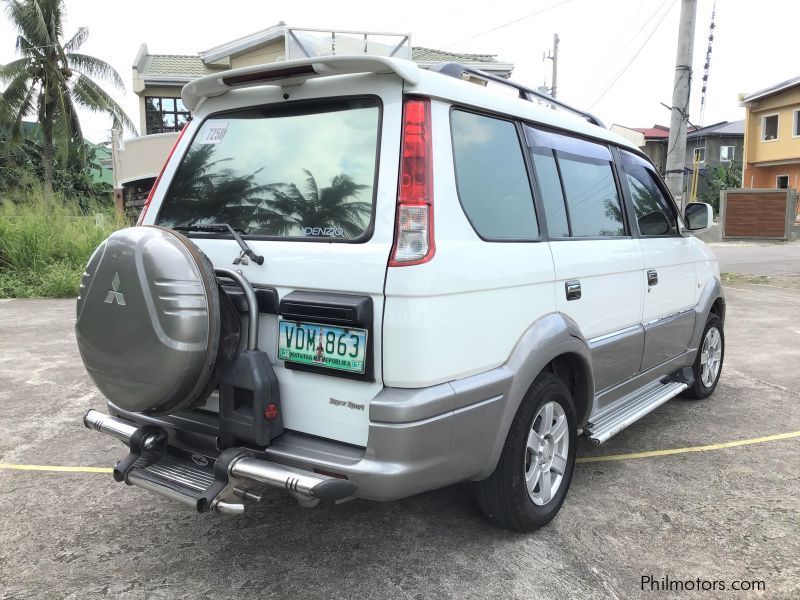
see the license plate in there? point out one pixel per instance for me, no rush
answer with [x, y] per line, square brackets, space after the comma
[338, 348]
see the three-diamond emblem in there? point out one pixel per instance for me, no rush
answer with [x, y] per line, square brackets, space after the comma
[114, 295]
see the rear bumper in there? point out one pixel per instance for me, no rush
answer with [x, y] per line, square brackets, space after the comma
[419, 439]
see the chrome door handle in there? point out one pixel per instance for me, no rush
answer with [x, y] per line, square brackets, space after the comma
[652, 277]
[573, 289]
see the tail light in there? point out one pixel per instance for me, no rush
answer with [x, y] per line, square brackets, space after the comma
[158, 179]
[413, 239]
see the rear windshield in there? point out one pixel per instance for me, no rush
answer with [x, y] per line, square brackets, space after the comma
[305, 173]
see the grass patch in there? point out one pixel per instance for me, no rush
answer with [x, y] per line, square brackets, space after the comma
[740, 278]
[45, 243]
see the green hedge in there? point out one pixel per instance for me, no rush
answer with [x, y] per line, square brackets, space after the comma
[45, 243]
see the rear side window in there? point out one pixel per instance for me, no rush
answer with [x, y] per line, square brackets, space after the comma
[492, 179]
[281, 172]
[555, 210]
[588, 188]
[654, 214]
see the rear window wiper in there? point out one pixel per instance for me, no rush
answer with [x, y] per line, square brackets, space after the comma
[224, 227]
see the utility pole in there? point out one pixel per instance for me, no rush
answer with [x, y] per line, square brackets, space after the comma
[676, 148]
[554, 57]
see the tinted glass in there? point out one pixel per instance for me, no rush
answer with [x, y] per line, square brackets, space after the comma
[492, 179]
[544, 163]
[592, 199]
[288, 173]
[653, 213]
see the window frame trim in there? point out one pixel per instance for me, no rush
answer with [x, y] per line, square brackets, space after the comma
[160, 111]
[629, 233]
[733, 153]
[662, 186]
[541, 232]
[697, 149]
[369, 232]
[777, 115]
[796, 123]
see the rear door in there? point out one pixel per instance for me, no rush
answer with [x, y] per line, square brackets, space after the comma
[310, 181]
[668, 273]
[597, 263]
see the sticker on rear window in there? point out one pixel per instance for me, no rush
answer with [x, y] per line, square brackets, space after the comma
[214, 134]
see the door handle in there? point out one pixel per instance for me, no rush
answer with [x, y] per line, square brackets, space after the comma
[652, 277]
[573, 289]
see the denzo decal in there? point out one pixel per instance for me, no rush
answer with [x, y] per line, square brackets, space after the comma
[323, 231]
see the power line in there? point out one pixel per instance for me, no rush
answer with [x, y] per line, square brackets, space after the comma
[633, 58]
[630, 41]
[515, 21]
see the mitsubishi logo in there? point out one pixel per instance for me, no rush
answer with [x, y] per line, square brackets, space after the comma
[114, 295]
[241, 259]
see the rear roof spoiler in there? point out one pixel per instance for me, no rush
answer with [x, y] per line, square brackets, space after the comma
[293, 72]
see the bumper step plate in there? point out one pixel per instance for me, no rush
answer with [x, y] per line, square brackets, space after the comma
[222, 484]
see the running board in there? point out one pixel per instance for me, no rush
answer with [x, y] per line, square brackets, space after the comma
[631, 408]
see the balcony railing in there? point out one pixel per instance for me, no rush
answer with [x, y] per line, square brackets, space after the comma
[307, 43]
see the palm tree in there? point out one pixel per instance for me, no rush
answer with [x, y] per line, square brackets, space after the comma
[331, 206]
[51, 80]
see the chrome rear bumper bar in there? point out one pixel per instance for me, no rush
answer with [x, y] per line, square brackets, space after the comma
[218, 484]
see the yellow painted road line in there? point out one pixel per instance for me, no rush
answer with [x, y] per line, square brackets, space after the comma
[56, 469]
[585, 459]
[672, 451]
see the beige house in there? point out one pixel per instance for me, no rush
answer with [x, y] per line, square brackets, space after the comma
[159, 78]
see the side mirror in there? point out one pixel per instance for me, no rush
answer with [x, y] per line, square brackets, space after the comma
[654, 223]
[699, 216]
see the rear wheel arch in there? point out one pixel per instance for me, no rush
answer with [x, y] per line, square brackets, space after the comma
[575, 372]
[718, 308]
[553, 342]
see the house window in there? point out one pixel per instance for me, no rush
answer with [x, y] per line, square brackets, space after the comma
[726, 153]
[796, 127]
[165, 114]
[769, 128]
[700, 155]
[782, 182]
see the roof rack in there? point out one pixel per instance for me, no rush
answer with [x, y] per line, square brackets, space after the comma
[457, 70]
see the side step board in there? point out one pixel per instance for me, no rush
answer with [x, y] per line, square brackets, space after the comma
[218, 484]
[631, 408]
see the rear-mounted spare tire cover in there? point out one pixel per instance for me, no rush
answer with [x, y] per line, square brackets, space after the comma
[148, 323]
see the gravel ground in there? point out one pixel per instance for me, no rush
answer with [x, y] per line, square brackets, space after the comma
[728, 514]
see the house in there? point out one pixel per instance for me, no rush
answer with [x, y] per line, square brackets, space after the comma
[159, 78]
[710, 146]
[718, 144]
[772, 136]
[652, 141]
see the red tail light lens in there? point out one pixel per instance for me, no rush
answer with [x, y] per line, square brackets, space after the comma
[413, 240]
[158, 179]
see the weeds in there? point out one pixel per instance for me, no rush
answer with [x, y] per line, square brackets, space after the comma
[45, 243]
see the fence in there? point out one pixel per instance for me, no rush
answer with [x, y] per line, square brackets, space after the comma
[767, 214]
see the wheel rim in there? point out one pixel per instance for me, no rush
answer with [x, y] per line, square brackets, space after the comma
[546, 453]
[711, 357]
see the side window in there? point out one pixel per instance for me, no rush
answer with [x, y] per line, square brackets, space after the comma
[654, 214]
[555, 211]
[578, 187]
[492, 179]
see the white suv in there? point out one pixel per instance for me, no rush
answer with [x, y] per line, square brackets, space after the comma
[357, 278]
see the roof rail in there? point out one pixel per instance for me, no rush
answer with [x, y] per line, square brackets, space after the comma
[457, 70]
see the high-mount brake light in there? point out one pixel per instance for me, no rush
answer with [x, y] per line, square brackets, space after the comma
[158, 179]
[413, 239]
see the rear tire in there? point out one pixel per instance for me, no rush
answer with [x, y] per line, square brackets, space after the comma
[530, 482]
[707, 365]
